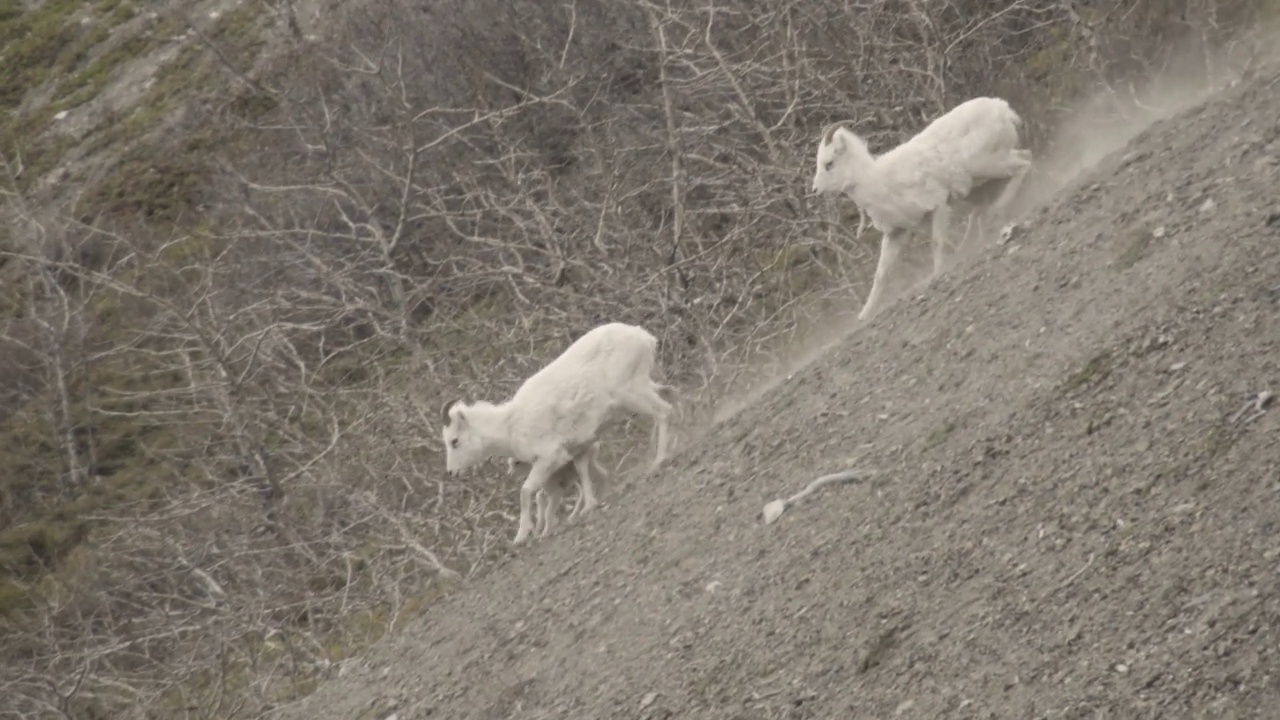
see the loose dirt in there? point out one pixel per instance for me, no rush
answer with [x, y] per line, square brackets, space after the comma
[1071, 517]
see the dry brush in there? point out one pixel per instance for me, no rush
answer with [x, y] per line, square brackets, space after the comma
[238, 411]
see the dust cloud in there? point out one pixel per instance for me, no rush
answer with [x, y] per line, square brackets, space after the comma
[1100, 124]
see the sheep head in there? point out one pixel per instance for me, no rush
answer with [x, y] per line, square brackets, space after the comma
[833, 172]
[461, 446]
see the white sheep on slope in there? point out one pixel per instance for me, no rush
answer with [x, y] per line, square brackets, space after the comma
[554, 417]
[969, 153]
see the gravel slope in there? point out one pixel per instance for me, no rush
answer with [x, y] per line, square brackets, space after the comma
[1065, 523]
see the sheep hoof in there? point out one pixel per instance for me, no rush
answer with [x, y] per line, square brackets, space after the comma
[522, 536]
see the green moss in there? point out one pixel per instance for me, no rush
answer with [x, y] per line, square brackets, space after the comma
[27, 550]
[115, 11]
[1217, 442]
[1098, 368]
[37, 43]
[145, 187]
[237, 36]
[183, 72]
[879, 650]
[10, 10]
[1055, 56]
[1133, 248]
[46, 42]
[86, 84]
[253, 107]
[938, 435]
[13, 598]
[130, 467]
[788, 258]
[144, 117]
[25, 137]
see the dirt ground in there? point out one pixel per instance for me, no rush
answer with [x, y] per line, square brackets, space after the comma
[1068, 520]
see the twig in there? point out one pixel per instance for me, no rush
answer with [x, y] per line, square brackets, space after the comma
[772, 511]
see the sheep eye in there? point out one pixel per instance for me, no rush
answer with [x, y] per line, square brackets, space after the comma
[453, 443]
[829, 164]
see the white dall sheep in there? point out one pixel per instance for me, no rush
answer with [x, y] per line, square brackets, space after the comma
[971, 153]
[553, 418]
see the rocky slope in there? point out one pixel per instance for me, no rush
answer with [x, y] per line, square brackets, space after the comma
[1073, 514]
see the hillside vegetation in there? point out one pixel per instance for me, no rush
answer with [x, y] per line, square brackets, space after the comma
[1072, 513]
[247, 249]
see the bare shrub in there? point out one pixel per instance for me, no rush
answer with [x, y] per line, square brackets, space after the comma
[431, 199]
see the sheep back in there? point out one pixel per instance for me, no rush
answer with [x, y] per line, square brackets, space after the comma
[572, 396]
[963, 148]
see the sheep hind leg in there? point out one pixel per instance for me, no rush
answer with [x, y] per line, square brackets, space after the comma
[977, 225]
[649, 402]
[889, 251]
[539, 474]
[587, 500]
[941, 223]
[998, 210]
[599, 482]
[577, 505]
[974, 217]
[547, 509]
[540, 513]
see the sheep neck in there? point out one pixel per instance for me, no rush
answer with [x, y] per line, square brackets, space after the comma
[863, 175]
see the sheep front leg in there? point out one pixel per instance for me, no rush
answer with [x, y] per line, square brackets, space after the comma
[537, 480]
[889, 249]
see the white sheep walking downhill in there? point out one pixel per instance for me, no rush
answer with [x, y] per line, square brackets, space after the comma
[554, 417]
[971, 153]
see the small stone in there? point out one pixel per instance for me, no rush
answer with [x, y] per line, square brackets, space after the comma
[1122, 668]
[648, 700]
